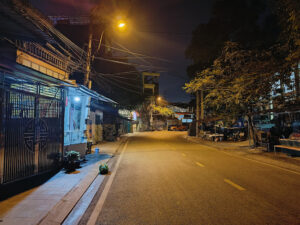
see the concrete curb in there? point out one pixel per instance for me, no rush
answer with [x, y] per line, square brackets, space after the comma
[62, 209]
[257, 155]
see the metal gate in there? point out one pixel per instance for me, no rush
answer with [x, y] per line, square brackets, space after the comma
[33, 129]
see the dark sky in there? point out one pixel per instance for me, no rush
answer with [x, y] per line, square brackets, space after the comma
[161, 28]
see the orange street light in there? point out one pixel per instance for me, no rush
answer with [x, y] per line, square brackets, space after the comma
[122, 26]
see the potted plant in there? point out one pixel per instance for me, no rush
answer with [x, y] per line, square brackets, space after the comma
[72, 160]
[103, 168]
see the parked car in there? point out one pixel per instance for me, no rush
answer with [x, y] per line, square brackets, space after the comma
[182, 128]
[172, 128]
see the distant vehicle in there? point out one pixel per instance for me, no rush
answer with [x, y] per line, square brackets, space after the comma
[172, 128]
[177, 128]
[182, 128]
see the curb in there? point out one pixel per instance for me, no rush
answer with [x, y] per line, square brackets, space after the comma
[63, 208]
[260, 156]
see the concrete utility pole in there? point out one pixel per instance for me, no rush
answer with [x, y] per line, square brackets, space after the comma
[197, 113]
[297, 81]
[151, 112]
[88, 62]
[202, 106]
[90, 58]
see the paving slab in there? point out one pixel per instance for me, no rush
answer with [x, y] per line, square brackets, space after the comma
[52, 201]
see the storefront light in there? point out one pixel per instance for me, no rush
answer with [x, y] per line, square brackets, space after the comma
[77, 99]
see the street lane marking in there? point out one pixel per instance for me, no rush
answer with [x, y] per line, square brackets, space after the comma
[199, 164]
[253, 160]
[259, 162]
[96, 212]
[184, 155]
[234, 185]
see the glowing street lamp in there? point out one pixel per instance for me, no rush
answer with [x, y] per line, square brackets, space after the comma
[121, 27]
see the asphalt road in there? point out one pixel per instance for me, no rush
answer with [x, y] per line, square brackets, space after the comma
[160, 178]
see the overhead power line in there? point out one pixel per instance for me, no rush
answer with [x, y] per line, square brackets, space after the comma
[139, 54]
[126, 63]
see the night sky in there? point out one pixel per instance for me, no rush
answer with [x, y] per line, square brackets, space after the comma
[162, 28]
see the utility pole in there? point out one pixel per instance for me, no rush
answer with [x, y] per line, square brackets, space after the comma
[197, 113]
[88, 62]
[151, 112]
[89, 58]
[202, 106]
[297, 81]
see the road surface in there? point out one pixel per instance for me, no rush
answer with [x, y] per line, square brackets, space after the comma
[160, 178]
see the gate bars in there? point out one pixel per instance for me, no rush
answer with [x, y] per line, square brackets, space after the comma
[31, 128]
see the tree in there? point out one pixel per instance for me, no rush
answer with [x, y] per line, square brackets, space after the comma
[233, 84]
[164, 111]
[288, 12]
[248, 22]
[289, 18]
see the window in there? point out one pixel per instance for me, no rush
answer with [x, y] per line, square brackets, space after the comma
[98, 119]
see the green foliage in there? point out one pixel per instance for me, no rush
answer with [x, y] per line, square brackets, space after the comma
[103, 168]
[238, 81]
[288, 12]
[231, 20]
[72, 161]
[164, 111]
[72, 156]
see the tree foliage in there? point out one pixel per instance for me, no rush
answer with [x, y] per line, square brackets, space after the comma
[246, 22]
[288, 12]
[245, 71]
[164, 111]
[238, 80]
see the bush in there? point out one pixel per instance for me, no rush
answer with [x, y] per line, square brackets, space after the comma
[72, 156]
[72, 160]
[103, 168]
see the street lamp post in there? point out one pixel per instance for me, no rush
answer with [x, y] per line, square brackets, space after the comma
[88, 62]
[121, 26]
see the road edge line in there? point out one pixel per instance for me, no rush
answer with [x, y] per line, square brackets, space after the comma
[246, 158]
[97, 210]
[63, 200]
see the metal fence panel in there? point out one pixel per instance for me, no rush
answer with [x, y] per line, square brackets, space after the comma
[32, 129]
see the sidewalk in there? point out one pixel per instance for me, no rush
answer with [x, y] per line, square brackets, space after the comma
[242, 149]
[51, 202]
